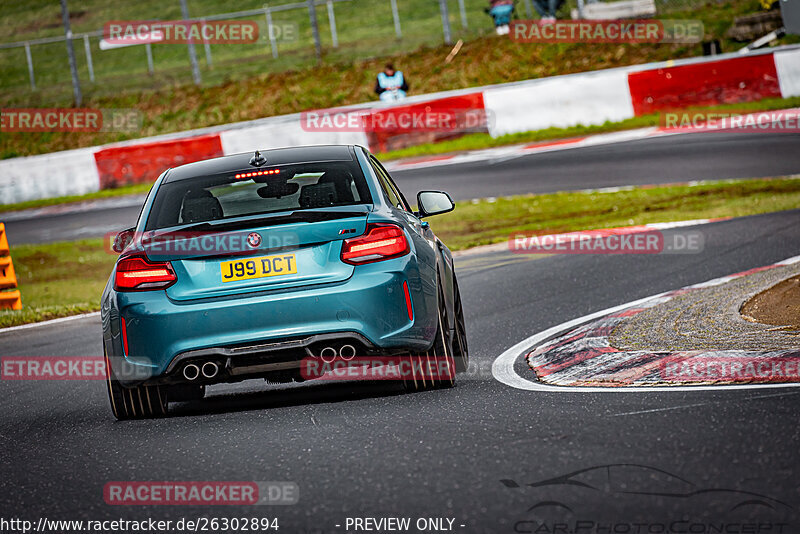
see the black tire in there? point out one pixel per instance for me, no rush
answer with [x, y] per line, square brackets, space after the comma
[138, 402]
[434, 368]
[460, 349]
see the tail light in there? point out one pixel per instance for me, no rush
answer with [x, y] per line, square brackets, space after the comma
[136, 273]
[379, 242]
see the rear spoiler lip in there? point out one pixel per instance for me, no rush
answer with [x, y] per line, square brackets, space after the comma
[145, 242]
[285, 217]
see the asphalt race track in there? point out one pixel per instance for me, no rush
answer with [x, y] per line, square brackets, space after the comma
[705, 156]
[371, 450]
[679, 158]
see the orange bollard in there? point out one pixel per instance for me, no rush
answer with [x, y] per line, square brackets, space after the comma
[8, 278]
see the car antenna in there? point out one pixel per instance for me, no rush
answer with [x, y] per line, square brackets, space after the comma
[257, 160]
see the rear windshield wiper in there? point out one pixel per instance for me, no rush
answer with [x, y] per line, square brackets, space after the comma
[298, 216]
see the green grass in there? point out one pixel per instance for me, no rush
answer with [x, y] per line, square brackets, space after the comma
[61, 279]
[137, 189]
[485, 222]
[246, 85]
[58, 279]
[365, 29]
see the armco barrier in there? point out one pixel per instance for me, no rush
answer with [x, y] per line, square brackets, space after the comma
[142, 163]
[728, 81]
[569, 100]
[8, 278]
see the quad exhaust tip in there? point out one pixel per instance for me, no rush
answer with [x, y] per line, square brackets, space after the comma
[210, 369]
[347, 352]
[328, 354]
[191, 372]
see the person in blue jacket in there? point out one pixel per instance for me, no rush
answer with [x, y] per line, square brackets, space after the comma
[391, 85]
[501, 11]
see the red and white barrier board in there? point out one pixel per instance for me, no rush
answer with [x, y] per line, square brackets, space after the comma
[281, 132]
[142, 163]
[72, 172]
[586, 98]
[728, 81]
[425, 121]
[562, 101]
[787, 65]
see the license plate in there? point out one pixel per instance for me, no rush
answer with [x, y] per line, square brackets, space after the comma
[260, 267]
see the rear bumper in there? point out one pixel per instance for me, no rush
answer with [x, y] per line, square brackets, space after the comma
[274, 359]
[370, 305]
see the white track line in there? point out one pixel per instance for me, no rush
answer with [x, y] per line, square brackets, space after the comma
[48, 323]
[503, 365]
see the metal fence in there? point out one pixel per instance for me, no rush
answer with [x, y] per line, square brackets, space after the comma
[344, 30]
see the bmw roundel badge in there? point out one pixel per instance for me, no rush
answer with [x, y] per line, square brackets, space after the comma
[254, 239]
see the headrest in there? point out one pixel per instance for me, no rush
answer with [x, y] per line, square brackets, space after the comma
[200, 205]
[318, 195]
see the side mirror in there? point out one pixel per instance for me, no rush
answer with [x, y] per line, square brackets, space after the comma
[434, 203]
[123, 239]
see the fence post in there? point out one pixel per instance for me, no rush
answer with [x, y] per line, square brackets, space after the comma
[396, 16]
[463, 14]
[312, 17]
[149, 51]
[332, 23]
[528, 10]
[271, 34]
[88, 49]
[30, 64]
[207, 47]
[445, 21]
[190, 44]
[73, 66]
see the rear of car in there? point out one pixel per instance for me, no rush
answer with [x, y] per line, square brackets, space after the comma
[241, 266]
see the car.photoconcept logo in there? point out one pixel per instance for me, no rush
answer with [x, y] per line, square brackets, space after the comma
[563, 503]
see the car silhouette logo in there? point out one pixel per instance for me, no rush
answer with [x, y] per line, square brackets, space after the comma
[254, 239]
[620, 480]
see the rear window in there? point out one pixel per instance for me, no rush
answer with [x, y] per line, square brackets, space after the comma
[283, 188]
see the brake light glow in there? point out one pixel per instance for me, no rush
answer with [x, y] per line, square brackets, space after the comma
[256, 173]
[379, 242]
[136, 273]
